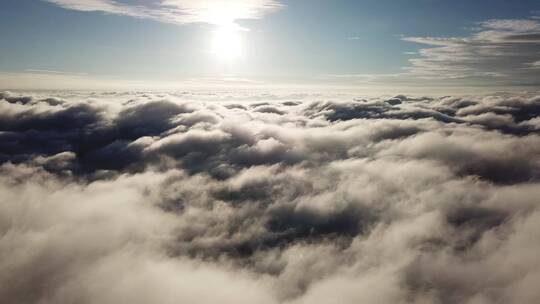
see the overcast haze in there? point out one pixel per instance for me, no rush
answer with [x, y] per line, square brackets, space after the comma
[265, 151]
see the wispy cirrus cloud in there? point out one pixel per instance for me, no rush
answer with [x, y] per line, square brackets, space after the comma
[178, 11]
[53, 72]
[504, 52]
[498, 50]
[535, 65]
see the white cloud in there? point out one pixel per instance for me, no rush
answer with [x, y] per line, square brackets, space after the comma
[499, 52]
[265, 197]
[535, 65]
[513, 25]
[179, 11]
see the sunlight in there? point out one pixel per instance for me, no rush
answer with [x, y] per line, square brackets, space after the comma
[227, 42]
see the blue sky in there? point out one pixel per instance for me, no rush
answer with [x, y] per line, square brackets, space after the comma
[362, 43]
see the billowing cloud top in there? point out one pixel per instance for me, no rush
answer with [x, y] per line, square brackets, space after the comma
[263, 198]
[178, 11]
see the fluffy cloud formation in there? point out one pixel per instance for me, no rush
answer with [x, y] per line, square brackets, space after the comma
[499, 51]
[178, 11]
[260, 198]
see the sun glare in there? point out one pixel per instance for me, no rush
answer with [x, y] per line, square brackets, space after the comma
[227, 43]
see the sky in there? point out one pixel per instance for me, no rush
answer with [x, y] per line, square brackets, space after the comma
[63, 44]
[269, 151]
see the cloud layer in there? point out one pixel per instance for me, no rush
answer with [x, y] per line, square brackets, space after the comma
[261, 198]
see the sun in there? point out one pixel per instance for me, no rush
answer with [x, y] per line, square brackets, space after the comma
[227, 42]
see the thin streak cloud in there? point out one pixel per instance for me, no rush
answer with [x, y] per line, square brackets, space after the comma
[178, 11]
[500, 51]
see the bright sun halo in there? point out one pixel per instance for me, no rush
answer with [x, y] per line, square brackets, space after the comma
[227, 43]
